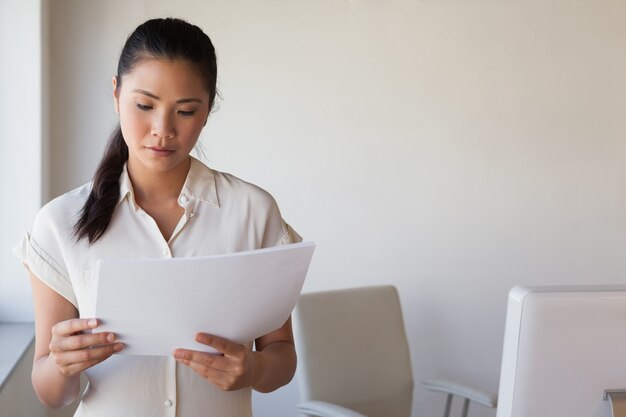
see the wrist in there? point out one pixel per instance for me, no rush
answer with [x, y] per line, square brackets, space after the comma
[256, 368]
[54, 389]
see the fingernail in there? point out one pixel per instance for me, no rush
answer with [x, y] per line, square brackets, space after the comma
[118, 346]
[178, 354]
[110, 338]
[93, 323]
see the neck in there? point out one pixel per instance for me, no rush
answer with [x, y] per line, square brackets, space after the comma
[150, 186]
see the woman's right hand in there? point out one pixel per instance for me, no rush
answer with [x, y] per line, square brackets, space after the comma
[73, 348]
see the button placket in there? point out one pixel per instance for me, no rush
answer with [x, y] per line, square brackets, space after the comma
[190, 210]
[189, 204]
[170, 388]
[165, 251]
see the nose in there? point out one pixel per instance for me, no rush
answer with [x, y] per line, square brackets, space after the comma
[163, 126]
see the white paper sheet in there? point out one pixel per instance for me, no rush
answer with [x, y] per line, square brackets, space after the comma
[157, 305]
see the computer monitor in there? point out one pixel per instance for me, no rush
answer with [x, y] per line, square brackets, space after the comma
[563, 347]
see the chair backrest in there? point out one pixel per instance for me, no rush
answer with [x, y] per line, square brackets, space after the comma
[353, 351]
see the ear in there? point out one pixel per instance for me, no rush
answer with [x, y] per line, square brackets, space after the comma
[116, 95]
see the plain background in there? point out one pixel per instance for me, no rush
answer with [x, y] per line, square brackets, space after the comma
[451, 148]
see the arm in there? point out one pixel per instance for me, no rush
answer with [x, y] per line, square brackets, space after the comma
[62, 350]
[268, 368]
[276, 359]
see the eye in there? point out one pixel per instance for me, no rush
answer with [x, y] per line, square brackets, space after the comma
[186, 113]
[143, 107]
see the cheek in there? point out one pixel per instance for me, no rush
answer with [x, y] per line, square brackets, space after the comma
[192, 130]
[133, 126]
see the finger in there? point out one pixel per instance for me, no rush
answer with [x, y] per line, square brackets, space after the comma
[208, 360]
[100, 353]
[80, 341]
[216, 376]
[227, 347]
[76, 368]
[222, 379]
[68, 327]
[85, 355]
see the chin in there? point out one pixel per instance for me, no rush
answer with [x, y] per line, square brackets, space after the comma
[162, 164]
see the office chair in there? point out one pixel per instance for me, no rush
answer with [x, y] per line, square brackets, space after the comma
[354, 359]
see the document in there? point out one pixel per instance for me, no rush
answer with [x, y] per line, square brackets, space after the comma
[157, 305]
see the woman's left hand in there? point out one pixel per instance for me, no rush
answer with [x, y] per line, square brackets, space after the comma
[230, 371]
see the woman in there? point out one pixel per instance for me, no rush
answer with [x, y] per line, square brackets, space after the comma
[150, 198]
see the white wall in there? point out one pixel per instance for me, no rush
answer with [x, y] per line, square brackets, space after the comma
[452, 148]
[20, 145]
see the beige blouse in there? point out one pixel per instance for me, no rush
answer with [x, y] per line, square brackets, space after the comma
[223, 214]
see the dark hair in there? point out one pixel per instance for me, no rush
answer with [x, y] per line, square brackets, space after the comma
[157, 38]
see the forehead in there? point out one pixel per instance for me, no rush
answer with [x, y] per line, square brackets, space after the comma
[165, 77]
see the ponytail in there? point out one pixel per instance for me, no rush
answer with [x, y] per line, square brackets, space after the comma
[97, 212]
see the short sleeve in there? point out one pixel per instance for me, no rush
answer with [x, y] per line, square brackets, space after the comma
[289, 236]
[277, 232]
[41, 251]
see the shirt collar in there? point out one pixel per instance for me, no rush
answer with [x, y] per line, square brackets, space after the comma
[199, 184]
[126, 188]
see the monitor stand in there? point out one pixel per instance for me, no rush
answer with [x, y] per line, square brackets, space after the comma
[618, 401]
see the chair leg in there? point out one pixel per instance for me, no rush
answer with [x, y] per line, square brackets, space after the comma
[465, 407]
[446, 412]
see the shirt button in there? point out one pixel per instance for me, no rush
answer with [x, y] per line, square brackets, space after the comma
[168, 403]
[166, 252]
[183, 199]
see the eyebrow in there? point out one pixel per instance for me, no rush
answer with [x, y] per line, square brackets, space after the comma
[182, 100]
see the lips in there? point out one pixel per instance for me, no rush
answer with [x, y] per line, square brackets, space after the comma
[160, 151]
